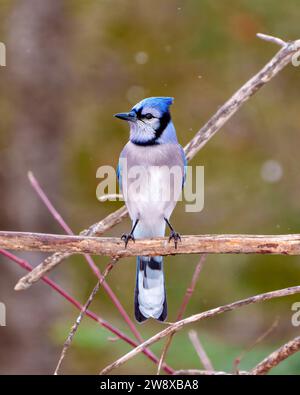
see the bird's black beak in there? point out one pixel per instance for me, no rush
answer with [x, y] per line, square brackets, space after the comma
[127, 116]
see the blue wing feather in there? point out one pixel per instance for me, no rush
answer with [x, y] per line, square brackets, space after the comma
[119, 175]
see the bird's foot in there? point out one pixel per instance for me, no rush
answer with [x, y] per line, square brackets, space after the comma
[175, 236]
[126, 237]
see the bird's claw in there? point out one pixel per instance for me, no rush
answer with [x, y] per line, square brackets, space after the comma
[175, 236]
[126, 237]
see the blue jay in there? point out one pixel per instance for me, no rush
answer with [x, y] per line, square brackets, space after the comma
[153, 147]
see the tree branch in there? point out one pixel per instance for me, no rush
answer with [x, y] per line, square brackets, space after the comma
[272, 39]
[204, 359]
[96, 229]
[262, 368]
[179, 325]
[190, 244]
[272, 68]
[269, 71]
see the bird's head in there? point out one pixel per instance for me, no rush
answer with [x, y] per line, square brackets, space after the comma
[149, 121]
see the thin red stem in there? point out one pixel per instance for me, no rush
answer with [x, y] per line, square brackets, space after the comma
[181, 311]
[191, 288]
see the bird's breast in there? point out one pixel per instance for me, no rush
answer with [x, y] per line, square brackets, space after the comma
[152, 180]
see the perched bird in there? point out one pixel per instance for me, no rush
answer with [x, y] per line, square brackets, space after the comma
[154, 150]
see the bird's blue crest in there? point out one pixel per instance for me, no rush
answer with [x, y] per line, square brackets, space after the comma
[161, 103]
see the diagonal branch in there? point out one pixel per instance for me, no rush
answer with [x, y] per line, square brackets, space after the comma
[177, 326]
[269, 71]
[75, 326]
[95, 230]
[270, 362]
[54, 260]
[272, 39]
[237, 360]
[204, 359]
[56, 215]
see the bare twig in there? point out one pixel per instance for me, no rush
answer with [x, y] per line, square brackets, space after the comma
[272, 39]
[25, 265]
[44, 198]
[114, 247]
[200, 351]
[186, 299]
[75, 326]
[277, 356]
[177, 326]
[224, 113]
[107, 223]
[81, 315]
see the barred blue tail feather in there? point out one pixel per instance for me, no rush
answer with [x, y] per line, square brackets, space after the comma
[150, 295]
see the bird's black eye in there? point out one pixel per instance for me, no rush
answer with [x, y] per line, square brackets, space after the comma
[149, 116]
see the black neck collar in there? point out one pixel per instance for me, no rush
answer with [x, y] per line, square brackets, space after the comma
[146, 143]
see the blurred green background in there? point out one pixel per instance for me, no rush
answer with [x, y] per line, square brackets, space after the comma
[70, 66]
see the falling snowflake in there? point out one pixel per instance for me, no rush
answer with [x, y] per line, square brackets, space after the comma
[271, 171]
[141, 57]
